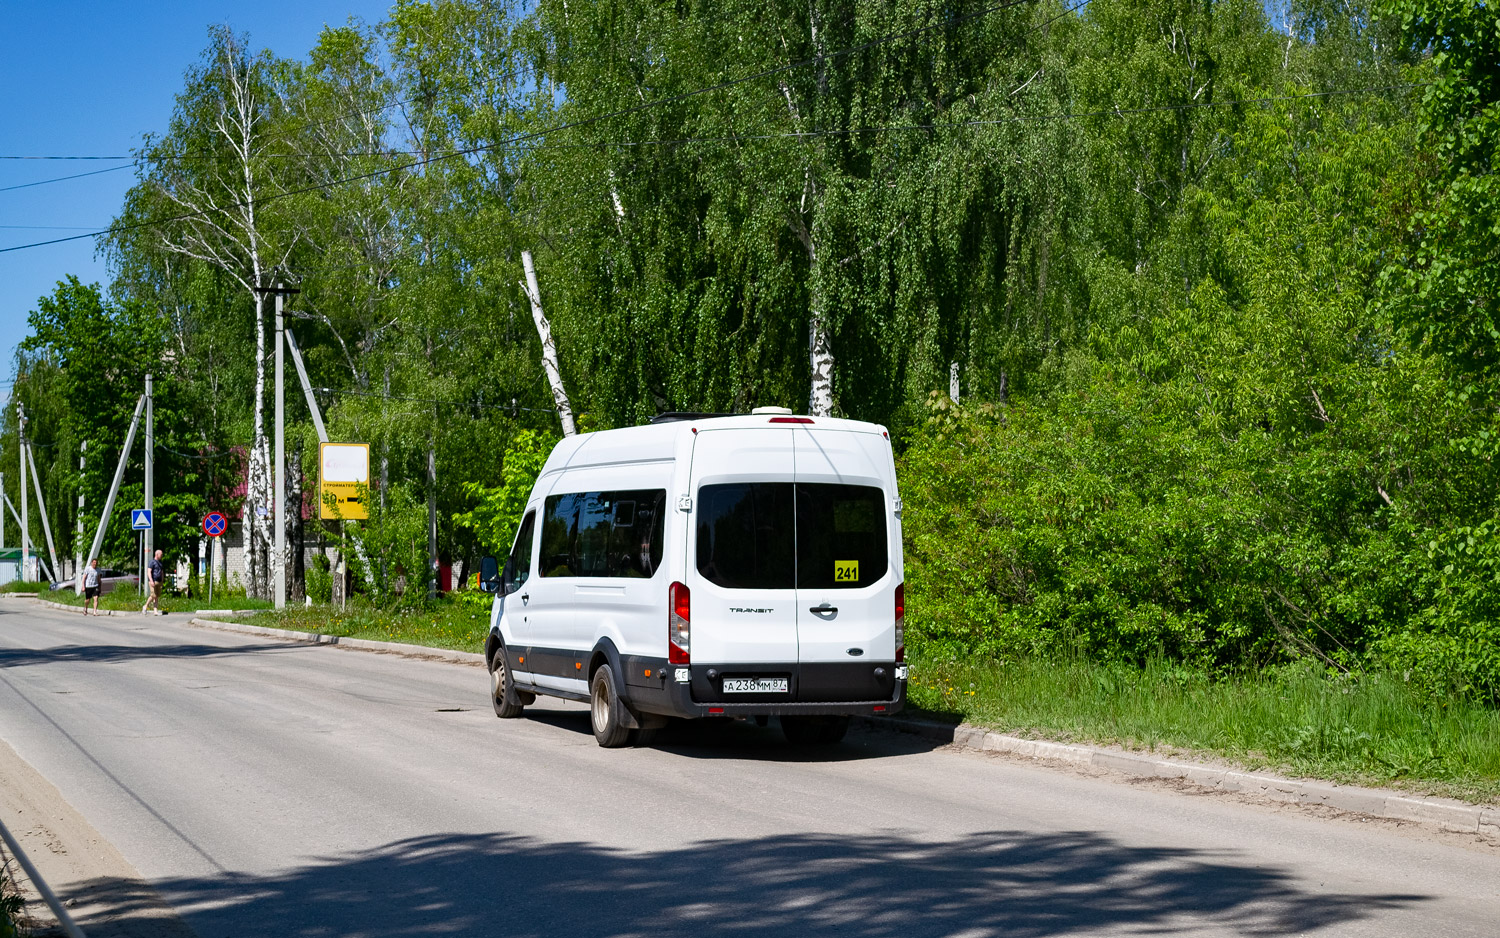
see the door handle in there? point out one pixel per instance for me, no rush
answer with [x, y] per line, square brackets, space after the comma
[525, 598]
[824, 611]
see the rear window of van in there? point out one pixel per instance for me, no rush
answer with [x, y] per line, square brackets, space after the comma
[781, 535]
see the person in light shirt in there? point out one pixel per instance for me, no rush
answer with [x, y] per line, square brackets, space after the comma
[91, 587]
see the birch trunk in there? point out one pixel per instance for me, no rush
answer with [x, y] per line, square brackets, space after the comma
[257, 475]
[549, 348]
[819, 354]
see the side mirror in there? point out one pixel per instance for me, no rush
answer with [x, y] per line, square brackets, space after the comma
[489, 575]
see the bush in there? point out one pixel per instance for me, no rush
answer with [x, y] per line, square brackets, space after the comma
[319, 576]
[1099, 525]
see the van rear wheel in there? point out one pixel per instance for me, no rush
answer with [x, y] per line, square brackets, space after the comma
[503, 693]
[606, 709]
[814, 731]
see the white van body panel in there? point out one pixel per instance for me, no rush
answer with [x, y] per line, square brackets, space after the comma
[563, 623]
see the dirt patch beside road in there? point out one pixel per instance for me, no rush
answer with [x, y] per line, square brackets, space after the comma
[103, 892]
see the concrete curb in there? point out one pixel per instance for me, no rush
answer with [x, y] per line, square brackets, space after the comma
[362, 644]
[1438, 813]
[131, 612]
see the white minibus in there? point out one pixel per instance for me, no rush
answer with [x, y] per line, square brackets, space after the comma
[705, 565]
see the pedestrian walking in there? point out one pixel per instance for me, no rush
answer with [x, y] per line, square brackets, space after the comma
[91, 586]
[156, 576]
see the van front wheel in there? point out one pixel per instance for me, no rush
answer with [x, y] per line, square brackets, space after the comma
[605, 710]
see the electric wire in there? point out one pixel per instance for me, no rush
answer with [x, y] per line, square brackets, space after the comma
[43, 182]
[532, 135]
[508, 408]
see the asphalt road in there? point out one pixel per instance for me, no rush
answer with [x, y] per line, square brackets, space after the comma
[267, 788]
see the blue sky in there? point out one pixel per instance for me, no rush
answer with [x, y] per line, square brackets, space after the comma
[89, 79]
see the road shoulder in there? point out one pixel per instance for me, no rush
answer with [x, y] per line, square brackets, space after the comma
[105, 894]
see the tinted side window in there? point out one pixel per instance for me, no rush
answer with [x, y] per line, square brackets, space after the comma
[841, 536]
[745, 535]
[520, 554]
[609, 534]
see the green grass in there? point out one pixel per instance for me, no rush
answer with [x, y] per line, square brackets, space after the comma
[1370, 730]
[450, 622]
[12, 905]
[23, 586]
[125, 598]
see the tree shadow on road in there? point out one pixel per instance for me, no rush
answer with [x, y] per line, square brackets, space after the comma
[108, 654]
[1020, 884]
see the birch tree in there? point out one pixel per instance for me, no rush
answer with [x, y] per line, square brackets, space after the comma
[209, 183]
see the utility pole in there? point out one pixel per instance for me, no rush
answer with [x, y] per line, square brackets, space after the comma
[2, 512]
[278, 473]
[83, 449]
[148, 536]
[25, 518]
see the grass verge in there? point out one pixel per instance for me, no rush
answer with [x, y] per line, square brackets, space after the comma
[452, 622]
[1366, 730]
[126, 599]
[24, 586]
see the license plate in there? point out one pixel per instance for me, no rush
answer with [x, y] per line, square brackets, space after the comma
[756, 685]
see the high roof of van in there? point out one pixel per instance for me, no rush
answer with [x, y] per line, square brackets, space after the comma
[661, 440]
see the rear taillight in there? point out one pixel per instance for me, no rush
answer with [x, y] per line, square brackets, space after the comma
[901, 623]
[791, 420]
[678, 622]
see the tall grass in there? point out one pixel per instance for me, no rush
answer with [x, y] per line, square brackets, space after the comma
[451, 622]
[1370, 729]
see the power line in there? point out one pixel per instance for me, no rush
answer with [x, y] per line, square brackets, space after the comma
[1062, 116]
[571, 125]
[43, 182]
[509, 408]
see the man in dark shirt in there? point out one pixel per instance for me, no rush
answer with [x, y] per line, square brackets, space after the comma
[156, 575]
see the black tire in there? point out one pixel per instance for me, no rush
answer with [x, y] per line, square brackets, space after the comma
[833, 730]
[503, 693]
[644, 736]
[814, 731]
[605, 710]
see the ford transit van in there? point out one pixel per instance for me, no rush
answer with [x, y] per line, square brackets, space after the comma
[707, 566]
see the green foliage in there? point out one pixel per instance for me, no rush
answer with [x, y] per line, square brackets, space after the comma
[497, 512]
[1375, 729]
[393, 558]
[320, 580]
[12, 903]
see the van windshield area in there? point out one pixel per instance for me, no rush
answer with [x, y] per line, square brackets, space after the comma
[784, 535]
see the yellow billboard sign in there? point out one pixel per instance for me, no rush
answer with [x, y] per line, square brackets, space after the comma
[343, 481]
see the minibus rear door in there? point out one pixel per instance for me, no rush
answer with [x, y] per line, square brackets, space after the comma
[846, 593]
[742, 564]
